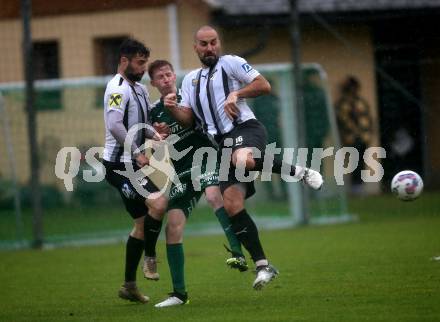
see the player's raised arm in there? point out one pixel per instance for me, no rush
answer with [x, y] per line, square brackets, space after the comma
[254, 84]
[182, 114]
[259, 86]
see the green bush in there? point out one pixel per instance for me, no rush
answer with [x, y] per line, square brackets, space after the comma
[50, 196]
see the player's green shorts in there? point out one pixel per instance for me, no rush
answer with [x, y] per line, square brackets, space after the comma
[185, 195]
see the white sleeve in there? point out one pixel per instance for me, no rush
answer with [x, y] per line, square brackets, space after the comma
[241, 70]
[115, 99]
[116, 126]
[186, 90]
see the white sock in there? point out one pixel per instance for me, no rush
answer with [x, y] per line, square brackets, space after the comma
[261, 262]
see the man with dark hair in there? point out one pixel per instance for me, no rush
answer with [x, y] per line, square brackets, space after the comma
[185, 196]
[214, 98]
[126, 105]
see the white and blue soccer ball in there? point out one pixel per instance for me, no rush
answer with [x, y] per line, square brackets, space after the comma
[407, 185]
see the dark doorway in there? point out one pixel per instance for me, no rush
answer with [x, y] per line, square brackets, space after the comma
[397, 57]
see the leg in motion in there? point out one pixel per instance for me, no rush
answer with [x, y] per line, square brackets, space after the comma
[152, 227]
[134, 249]
[176, 259]
[215, 200]
[247, 232]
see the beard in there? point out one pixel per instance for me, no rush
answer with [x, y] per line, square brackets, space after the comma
[209, 60]
[133, 76]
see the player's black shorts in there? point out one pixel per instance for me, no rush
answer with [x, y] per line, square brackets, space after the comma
[250, 134]
[134, 202]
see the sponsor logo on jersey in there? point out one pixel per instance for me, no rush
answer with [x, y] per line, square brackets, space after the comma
[178, 190]
[143, 181]
[175, 128]
[127, 191]
[115, 100]
[208, 178]
[246, 67]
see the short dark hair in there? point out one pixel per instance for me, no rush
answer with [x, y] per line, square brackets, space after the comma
[351, 84]
[130, 47]
[159, 63]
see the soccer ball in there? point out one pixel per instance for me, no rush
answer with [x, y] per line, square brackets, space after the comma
[407, 185]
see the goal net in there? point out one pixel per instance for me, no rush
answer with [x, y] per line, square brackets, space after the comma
[70, 114]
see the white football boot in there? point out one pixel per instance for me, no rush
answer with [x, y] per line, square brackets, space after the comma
[173, 300]
[310, 177]
[265, 274]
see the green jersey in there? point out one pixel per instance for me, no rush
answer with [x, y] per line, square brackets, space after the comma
[185, 196]
[188, 137]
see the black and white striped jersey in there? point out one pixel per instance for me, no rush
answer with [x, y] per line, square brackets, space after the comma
[133, 102]
[205, 90]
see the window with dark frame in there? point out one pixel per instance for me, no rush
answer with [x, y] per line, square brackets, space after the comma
[45, 55]
[106, 55]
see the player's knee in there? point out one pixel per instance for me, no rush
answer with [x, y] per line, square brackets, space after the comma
[174, 232]
[233, 207]
[243, 158]
[174, 228]
[138, 231]
[214, 198]
[250, 163]
[157, 207]
[232, 204]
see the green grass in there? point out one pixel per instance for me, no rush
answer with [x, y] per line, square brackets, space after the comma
[376, 269]
[65, 222]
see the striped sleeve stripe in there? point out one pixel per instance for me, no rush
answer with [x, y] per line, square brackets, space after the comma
[199, 104]
[211, 101]
[227, 89]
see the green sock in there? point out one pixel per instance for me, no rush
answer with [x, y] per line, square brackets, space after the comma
[234, 243]
[176, 262]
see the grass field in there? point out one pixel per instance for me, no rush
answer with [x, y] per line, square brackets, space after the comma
[376, 269]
